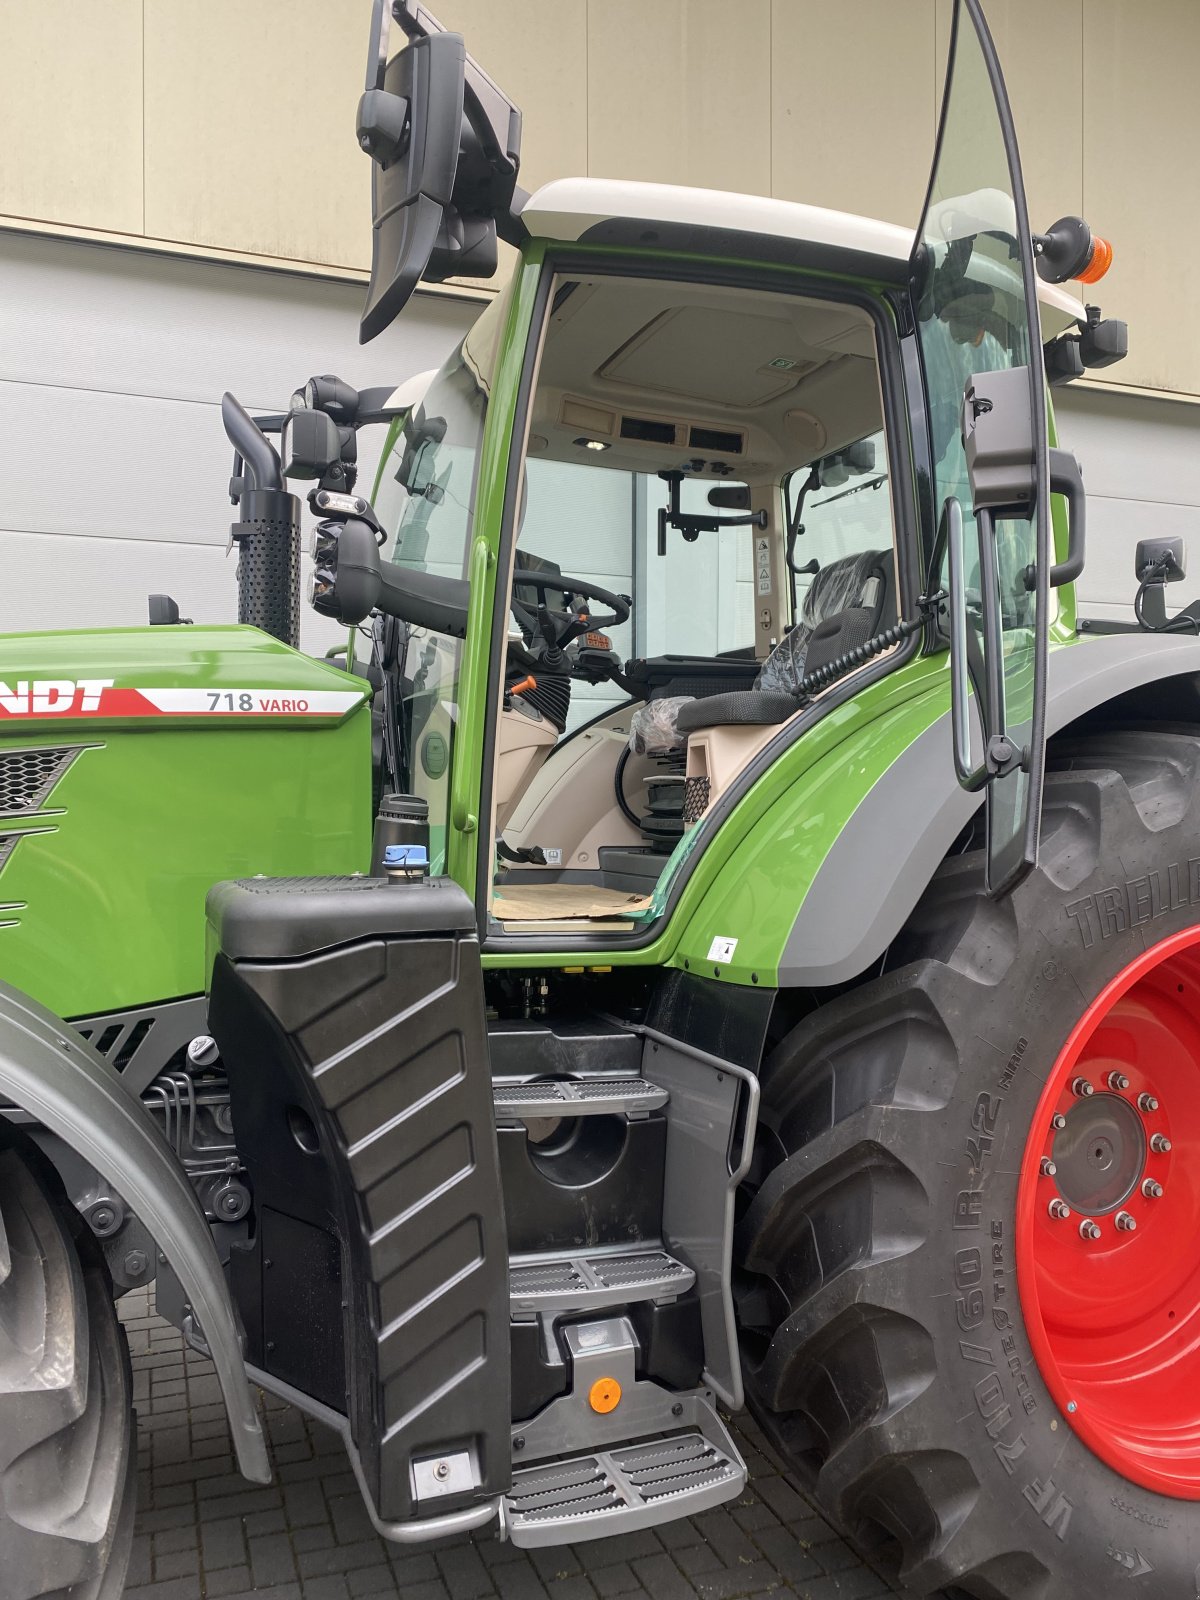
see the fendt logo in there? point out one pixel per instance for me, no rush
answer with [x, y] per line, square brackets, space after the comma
[45, 696]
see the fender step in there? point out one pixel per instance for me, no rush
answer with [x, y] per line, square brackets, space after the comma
[625, 1488]
[591, 1282]
[577, 1097]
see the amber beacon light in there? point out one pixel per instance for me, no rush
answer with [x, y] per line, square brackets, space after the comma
[1071, 250]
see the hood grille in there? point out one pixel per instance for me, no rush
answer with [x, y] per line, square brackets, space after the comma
[28, 776]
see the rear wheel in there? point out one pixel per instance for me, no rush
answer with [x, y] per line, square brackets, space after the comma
[66, 1422]
[969, 1287]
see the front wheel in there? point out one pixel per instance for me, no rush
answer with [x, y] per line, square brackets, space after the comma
[66, 1420]
[969, 1281]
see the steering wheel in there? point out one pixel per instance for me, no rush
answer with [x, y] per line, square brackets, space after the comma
[577, 622]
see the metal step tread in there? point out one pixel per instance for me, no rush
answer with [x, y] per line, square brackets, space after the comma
[622, 1489]
[590, 1282]
[577, 1097]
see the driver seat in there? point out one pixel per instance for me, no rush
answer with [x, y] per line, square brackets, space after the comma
[848, 602]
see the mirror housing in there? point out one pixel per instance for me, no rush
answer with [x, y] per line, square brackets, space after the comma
[997, 433]
[446, 143]
[310, 443]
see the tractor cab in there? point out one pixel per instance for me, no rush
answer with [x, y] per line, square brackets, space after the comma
[696, 479]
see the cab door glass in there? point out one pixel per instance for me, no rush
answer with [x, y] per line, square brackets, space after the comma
[976, 313]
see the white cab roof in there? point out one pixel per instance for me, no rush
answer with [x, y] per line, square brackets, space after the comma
[571, 209]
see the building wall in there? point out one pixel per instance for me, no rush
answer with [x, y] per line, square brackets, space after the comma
[229, 127]
[112, 367]
[214, 148]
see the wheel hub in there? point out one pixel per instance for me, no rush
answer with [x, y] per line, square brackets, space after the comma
[1108, 1212]
[1100, 1155]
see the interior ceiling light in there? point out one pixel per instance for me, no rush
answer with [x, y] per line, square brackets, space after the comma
[592, 444]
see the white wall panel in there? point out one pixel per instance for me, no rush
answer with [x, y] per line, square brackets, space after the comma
[60, 580]
[1141, 468]
[112, 365]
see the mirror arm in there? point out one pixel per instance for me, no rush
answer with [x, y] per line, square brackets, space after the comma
[425, 599]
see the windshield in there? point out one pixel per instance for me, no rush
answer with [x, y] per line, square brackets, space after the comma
[845, 509]
[425, 501]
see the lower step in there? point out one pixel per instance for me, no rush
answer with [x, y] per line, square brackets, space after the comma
[577, 1097]
[623, 1489]
[590, 1283]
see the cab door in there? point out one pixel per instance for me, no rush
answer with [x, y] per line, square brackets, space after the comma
[975, 304]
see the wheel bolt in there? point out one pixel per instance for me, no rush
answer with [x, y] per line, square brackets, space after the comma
[1147, 1102]
[1058, 1122]
[1125, 1222]
[1059, 1210]
[1152, 1189]
[1082, 1088]
[1160, 1144]
[1089, 1229]
[1118, 1080]
[1048, 1167]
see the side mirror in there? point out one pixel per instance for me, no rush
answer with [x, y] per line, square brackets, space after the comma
[1160, 560]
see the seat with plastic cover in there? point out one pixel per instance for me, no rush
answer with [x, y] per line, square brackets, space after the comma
[848, 601]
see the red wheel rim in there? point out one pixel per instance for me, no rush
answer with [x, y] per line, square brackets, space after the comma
[1111, 1291]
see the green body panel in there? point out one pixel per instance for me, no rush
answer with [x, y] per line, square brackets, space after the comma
[462, 851]
[102, 894]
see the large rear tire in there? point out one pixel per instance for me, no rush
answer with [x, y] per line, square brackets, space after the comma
[1003, 1403]
[66, 1420]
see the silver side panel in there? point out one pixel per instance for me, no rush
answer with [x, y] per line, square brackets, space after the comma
[866, 888]
[702, 1175]
[48, 1071]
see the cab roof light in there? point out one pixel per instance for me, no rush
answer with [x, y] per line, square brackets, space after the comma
[1071, 250]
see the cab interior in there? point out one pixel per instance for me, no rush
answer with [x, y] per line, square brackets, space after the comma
[716, 461]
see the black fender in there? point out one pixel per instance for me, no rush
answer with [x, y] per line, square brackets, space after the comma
[866, 888]
[47, 1070]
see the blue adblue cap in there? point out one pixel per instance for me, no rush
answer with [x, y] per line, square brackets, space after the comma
[411, 856]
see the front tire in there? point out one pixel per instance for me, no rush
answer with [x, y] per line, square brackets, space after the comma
[919, 1328]
[66, 1419]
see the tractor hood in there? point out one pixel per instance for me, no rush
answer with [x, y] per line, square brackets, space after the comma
[137, 676]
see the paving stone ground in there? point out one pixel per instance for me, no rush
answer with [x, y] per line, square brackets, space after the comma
[204, 1532]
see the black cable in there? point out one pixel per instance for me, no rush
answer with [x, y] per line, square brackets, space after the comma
[619, 788]
[1182, 623]
[866, 651]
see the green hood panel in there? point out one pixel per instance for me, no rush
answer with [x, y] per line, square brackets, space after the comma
[190, 675]
[117, 817]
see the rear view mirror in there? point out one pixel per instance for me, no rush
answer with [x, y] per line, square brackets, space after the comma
[730, 498]
[1160, 560]
[446, 143]
[409, 123]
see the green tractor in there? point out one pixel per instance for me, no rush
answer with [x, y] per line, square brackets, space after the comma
[761, 971]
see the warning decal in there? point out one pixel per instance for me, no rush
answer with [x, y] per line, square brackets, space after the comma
[762, 565]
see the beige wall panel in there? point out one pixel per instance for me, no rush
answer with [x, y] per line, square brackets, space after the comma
[853, 91]
[250, 127]
[1142, 154]
[679, 92]
[71, 113]
[1041, 54]
[536, 50]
